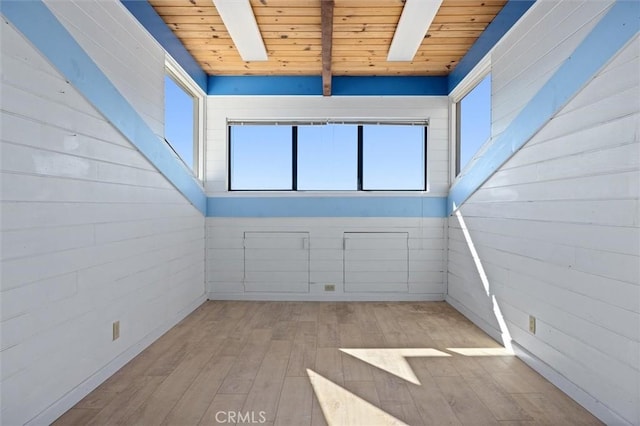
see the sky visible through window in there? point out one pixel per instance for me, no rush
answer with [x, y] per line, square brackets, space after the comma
[179, 114]
[261, 157]
[475, 120]
[328, 157]
[393, 157]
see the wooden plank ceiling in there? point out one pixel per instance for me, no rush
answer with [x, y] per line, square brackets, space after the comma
[362, 33]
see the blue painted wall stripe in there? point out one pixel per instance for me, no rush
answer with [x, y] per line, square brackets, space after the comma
[326, 206]
[341, 86]
[36, 22]
[389, 86]
[506, 18]
[264, 85]
[149, 18]
[611, 33]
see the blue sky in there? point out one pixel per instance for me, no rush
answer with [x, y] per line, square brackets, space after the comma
[178, 118]
[475, 125]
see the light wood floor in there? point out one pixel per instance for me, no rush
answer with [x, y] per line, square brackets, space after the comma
[281, 363]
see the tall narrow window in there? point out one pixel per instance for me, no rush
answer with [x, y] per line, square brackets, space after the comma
[393, 157]
[261, 157]
[180, 120]
[327, 157]
[474, 122]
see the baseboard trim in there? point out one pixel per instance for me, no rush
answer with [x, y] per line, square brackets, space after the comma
[316, 297]
[591, 404]
[71, 398]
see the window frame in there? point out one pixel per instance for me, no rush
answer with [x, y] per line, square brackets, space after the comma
[174, 71]
[468, 84]
[361, 164]
[293, 159]
[360, 161]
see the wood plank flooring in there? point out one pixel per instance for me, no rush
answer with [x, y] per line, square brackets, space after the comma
[281, 363]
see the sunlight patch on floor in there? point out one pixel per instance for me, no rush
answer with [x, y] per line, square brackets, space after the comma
[341, 407]
[482, 351]
[393, 360]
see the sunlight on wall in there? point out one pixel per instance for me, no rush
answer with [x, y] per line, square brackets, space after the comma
[506, 336]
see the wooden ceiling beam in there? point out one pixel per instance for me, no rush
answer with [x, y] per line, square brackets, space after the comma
[326, 13]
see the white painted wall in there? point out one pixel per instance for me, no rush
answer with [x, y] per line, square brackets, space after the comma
[556, 228]
[115, 41]
[225, 257]
[426, 240]
[524, 61]
[91, 232]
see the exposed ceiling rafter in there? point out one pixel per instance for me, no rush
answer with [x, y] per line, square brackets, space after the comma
[327, 44]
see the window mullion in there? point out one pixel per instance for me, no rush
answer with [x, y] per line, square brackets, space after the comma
[426, 153]
[294, 158]
[360, 154]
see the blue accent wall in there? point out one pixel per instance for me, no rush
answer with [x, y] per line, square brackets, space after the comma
[36, 22]
[319, 206]
[148, 17]
[611, 33]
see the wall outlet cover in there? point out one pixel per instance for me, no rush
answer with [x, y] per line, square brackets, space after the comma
[532, 324]
[116, 330]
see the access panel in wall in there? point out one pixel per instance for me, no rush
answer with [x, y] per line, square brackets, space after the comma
[376, 262]
[276, 262]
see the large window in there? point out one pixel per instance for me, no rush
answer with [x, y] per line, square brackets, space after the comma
[474, 122]
[327, 157]
[181, 121]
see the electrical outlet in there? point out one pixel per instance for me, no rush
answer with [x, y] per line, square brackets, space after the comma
[116, 330]
[532, 324]
[329, 287]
